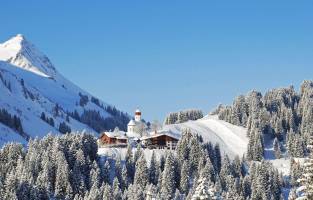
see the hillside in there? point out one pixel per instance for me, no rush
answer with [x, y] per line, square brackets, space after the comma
[41, 98]
[232, 139]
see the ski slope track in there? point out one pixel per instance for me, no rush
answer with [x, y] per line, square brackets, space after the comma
[232, 139]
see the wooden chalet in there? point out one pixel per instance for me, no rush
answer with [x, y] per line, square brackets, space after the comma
[160, 140]
[113, 139]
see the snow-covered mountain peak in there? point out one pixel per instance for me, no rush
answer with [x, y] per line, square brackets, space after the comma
[15, 43]
[21, 53]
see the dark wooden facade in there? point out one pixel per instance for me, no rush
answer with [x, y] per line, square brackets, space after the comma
[160, 142]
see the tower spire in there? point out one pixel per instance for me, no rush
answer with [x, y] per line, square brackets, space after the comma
[137, 115]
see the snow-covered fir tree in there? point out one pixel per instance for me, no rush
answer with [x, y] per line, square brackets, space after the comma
[306, 189]
[295, 172]
[129, 163]
[185, 178]
[205, 190]
[153, 170]
[277, 148]
[183, 116]
[292, 194]
[168, 179]
[141, 175]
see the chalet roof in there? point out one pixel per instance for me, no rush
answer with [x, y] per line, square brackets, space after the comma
[121, 135]
[160, 133]
[116, 134]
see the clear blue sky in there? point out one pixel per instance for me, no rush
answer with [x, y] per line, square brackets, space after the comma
[168, 55]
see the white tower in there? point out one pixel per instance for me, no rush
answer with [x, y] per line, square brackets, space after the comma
[137, 115]
[131, 126]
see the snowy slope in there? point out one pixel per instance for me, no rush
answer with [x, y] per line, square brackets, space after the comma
[7, 134]
[232, 139]
[30, 85]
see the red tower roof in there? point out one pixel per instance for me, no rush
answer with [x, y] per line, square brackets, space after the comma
[137, 112]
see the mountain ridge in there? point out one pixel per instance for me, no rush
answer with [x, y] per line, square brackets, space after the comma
[31, 87]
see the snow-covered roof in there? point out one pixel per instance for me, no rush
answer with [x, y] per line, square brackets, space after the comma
[132, 123]
[116, 134]
[122, 135]
[137, 111]
[160, 133]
